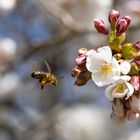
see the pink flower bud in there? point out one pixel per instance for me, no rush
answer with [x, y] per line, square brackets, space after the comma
[100, 26]
[136, 45]
[136, 82]
[121, 26]
[81, 59]
[128, 19]
[113, 16]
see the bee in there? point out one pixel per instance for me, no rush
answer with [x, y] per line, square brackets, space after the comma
[45, 78]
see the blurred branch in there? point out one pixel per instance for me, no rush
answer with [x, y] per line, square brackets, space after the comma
[64, 17]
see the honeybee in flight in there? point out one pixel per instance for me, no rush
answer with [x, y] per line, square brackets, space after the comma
[45, 78]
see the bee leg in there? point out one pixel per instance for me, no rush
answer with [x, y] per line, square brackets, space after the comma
[41, 86]
[54, 84]
[41, 82]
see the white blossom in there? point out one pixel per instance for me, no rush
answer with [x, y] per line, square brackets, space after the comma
[120, 88]
[102, 65]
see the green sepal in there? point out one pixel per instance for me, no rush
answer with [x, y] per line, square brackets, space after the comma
[128, 51]
[115, 41]
[122, 38]
[134, 69]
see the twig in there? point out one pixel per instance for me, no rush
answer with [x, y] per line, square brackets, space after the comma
[64, 17]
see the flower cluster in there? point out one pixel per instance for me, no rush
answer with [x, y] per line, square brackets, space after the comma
[116, 66]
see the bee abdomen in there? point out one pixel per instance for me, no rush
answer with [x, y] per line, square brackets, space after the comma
[37, 74]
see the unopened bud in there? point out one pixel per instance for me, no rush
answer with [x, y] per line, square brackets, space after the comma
[83, 78]
[82, 67]
[81, 59]
[136, 82]
[128, 19]
[100, 26]
[121, 26]
[82, 51]
[75, 72]
[113, 17]
[118, 56]
[137, 45]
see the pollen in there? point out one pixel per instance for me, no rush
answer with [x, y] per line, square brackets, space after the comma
[106, 68]
[120, 88]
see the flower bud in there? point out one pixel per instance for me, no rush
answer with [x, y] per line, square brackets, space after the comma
[113, 17]
[100, 26]
[118, 56]
[136, 45]
[83, 78]
[128, 19]
[81, 59]
[136, 82]
[82, 67]
[82, 51]
[121, 26]
[75, 72]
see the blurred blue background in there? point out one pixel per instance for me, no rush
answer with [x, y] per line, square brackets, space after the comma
[34, 30]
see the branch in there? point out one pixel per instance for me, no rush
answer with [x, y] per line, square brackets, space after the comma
[64, 17]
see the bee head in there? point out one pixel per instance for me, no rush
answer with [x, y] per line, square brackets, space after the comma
[33, 74]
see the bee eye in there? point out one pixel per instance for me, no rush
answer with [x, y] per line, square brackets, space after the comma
[32, 74]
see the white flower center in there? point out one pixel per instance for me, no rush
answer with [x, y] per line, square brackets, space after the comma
[106, 68]
[120, 88]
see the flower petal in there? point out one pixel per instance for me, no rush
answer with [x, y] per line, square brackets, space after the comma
[101, 79]
[106, 53]
[121, 78]
[116, 67]
[108, 92]
[125, 67]
[94, 61]
[131, 90]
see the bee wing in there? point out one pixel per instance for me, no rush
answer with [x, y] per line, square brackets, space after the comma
[35, 66]
[48, 66]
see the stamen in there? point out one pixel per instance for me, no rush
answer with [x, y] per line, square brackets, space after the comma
[106, 68]
[120, 88]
